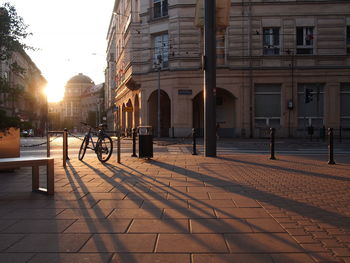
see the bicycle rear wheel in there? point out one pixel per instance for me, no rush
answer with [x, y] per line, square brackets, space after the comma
[104, 148]
[83, 147]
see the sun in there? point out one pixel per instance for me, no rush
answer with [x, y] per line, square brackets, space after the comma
[54, 93]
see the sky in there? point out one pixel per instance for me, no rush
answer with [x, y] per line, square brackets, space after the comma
[70, 38]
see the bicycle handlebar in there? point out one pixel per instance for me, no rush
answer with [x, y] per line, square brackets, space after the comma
[100, 126]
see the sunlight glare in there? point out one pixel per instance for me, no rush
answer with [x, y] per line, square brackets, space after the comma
[54, 93]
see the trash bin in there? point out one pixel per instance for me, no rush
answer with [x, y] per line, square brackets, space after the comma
[145, 142]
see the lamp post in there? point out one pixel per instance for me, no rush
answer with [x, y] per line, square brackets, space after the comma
[210, 78]
[159, 63]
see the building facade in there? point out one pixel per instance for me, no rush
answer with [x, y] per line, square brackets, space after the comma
[25, 95]
[71, 104]
[92, 105]
[282, 64]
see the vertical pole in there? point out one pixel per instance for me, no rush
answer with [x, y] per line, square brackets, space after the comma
[158, 104]
[118, 146]
[210, 78]
[48, 143]
[66, 131]
[330, 147]
[272, 144]
[133, 143]
[64, 147]
[340, 138]
[194, 141]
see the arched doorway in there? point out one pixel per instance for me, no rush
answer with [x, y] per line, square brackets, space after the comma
[129, 115]
[165, 113]
[225, 113]
[136, 112]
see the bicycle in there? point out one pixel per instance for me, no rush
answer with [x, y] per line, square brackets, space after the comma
[103, 147]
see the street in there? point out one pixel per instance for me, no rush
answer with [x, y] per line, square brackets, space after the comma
[36, 146]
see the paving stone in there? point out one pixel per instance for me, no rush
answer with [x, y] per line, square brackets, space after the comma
[32, 214]
[189, 213]
[68, 258]
[262, 243]
[118, 204]
[211, 203]
[219, 226]
[85, 213]
[232, 258]
[191, 243]
[99, 226]
[175, 204]
[50, 243]
[159, 226]
[136, 213]
[120, 243]
[151, 258]
[341, 252]
[70, 204]
[291, 258]
[94, 197]
[6, 240]
[265, 225]
[39, 226]
[5, 224]
[242, 213]
[15, 257]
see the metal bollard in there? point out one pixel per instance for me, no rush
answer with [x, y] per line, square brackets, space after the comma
[330, 147]
[272, 144]
[65, 141]
[118, 147]
[194, 141]
[133, 143]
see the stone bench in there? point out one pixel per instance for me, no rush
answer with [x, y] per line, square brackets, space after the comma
[35, 163]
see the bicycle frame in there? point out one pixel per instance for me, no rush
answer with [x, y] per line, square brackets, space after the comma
[90, 139]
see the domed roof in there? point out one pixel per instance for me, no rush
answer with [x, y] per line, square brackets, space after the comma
[80, 78]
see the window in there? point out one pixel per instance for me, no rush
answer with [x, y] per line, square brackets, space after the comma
[271, 41]
[310, 105]
[348, 39]
[160, 8]
[161, 51]
[345, 105]
[305, 40]
[267, 105]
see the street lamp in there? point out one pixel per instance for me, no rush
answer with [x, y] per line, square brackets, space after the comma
[159, 67]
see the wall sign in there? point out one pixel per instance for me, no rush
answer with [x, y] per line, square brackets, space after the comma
[184, 92]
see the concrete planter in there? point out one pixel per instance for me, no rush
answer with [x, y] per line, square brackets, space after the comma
[10, 143]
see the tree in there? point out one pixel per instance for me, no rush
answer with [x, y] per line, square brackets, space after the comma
[13, 31]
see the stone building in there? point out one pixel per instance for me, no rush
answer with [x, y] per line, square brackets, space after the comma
[72, 113]
[92, 106]
[25, 96]
[282, 64]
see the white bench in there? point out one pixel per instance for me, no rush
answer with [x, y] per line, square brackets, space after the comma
[10, 163]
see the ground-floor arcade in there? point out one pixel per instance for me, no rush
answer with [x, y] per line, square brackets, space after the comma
[248, 103]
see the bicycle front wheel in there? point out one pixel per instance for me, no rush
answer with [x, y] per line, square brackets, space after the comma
[104, 148]
[83, 147]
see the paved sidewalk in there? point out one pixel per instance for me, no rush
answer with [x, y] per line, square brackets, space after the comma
[180, 208]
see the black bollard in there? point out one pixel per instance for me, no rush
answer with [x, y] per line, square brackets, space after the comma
[330, 147]
[133, 143]
[65, 141]
[272, 144]
[194, 141]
